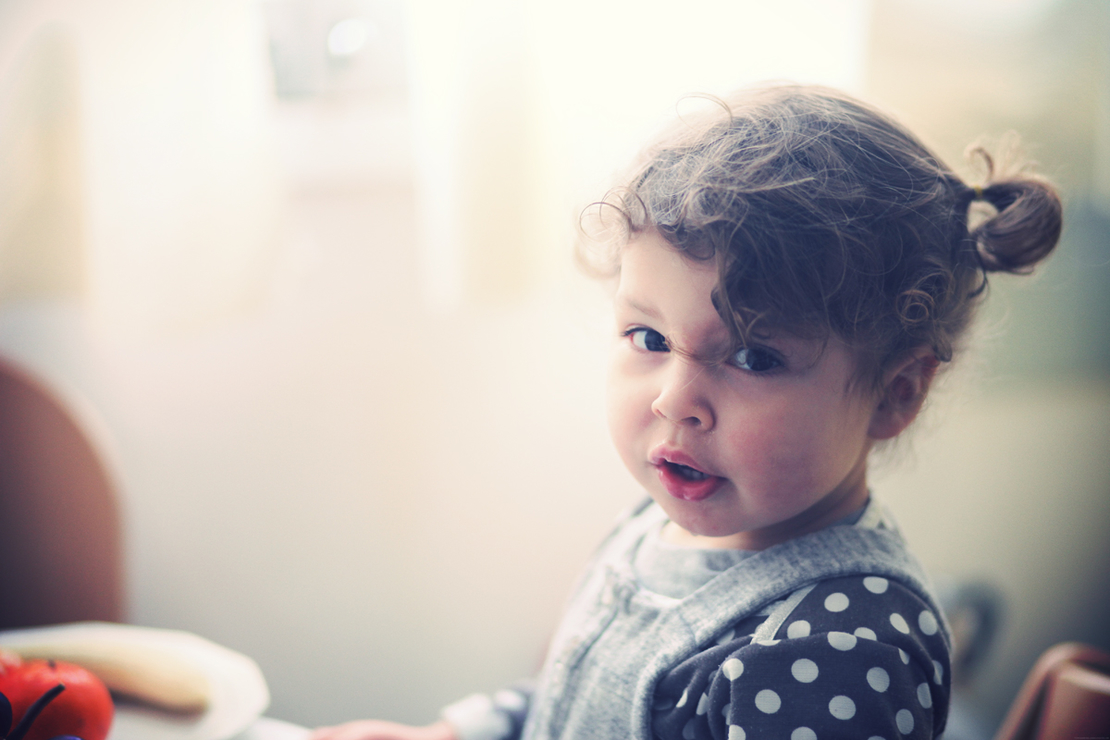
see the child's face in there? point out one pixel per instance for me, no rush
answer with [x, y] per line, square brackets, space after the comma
[756, 451]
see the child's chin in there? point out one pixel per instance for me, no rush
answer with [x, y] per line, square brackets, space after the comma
[697, 523]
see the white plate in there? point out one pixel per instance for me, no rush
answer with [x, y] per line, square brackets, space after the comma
[238, 690]
[267, 728]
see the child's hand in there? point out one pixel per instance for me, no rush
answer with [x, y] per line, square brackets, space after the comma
[373, 729]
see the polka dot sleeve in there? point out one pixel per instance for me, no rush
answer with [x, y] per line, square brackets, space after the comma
[851, 661]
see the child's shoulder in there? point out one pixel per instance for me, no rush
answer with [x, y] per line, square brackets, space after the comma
[865, 648]
[866, 606]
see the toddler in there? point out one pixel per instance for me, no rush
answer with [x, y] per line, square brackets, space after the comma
[792, 270]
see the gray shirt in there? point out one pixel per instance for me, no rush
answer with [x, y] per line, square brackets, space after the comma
[629, 659]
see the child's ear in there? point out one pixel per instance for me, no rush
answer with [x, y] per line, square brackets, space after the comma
[905, 385]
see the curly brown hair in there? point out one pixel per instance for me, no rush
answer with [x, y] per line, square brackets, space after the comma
[827, 217]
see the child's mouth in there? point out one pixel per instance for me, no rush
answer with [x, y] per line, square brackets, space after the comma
[686, 472]
[687, 483]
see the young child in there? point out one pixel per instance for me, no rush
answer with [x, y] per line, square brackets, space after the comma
[792, 271]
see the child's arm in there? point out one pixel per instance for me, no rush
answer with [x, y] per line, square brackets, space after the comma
[499, 716]
[373, 729]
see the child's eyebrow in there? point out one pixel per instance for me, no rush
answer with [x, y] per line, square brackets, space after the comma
[647, 310]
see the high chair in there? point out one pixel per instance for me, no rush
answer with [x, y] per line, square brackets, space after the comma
[60, 549]
[1066, 696]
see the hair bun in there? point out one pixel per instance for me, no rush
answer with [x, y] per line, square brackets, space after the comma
[1026, 224]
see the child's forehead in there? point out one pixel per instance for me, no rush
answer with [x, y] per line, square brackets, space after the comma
[675, 294]
[649, 249]
[652, 271]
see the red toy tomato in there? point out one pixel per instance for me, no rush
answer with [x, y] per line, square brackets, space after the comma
[84, 709]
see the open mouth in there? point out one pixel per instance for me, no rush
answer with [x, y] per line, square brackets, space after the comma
[687, 483]
[686, 472]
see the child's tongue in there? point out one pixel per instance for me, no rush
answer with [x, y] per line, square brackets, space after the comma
[686, 483]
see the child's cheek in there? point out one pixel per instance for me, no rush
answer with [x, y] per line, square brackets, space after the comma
[776, 449]
[628, 408]
[758, 451]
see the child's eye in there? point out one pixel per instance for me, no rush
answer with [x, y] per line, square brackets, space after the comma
[648, 340]
[756, 360]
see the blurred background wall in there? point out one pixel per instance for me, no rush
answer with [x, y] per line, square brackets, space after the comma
[306, 263]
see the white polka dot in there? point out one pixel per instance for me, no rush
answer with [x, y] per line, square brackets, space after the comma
[803, 733]
[876, 737]
[938, 672]
[924, 696]
[865, 633]
[682, 700]
[688, 730]
[736, 732]
[767, 701]
[842, 707]
[798, 629]
[703, 704]
[875, 585]
[899, 623]
[732, 669]
[726, 637]
[878, 679]
[842, 640]
[837, 602]
[804, 670]
[927, 622]
[904, 656]
[904, 720]
[726, 710]
[767, 643]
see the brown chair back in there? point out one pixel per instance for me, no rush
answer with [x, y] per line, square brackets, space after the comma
[60, 549]
[1066, 696]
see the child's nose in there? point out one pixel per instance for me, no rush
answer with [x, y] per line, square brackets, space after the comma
[682, 398]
